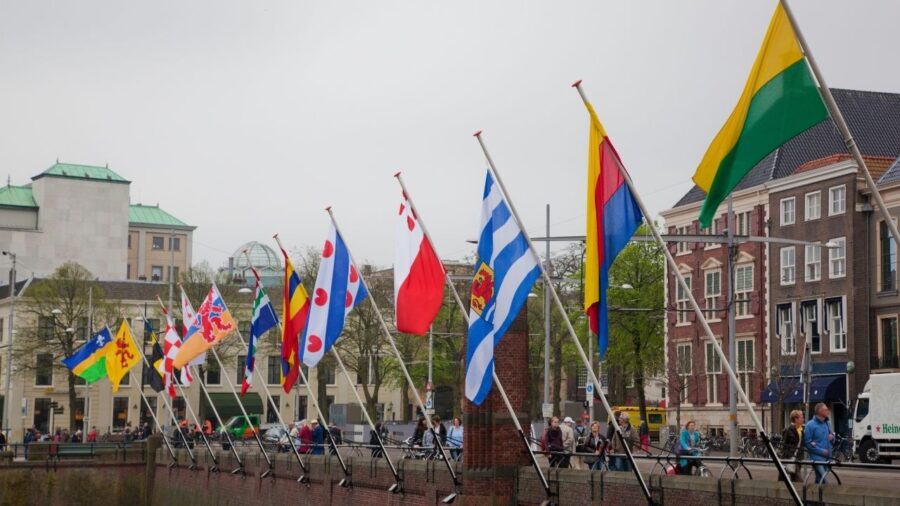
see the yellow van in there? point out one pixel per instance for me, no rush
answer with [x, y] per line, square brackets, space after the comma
[656, 417]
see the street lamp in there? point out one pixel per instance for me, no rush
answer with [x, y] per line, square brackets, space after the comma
[245, 290]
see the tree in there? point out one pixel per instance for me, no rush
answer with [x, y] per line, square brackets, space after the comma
[637, 313]
[60, 308]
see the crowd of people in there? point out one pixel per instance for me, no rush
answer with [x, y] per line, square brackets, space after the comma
[567, 444]
[562, 440]
[450, 438]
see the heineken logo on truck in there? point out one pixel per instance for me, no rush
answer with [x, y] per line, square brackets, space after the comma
[888, 428]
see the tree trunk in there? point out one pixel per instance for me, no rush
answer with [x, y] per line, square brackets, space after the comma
[321, 391]
[639, 379]
[406, 414]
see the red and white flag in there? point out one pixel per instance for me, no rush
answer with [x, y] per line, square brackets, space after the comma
[171, 344]
[187, 318]
[418, 275]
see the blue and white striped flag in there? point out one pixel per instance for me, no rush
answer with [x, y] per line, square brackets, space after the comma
[505, 272]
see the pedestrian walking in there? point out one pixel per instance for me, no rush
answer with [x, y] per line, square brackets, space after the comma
[644, 433]
[381, 431]
[552, 441]
[596, 443]
[455, 439]
[569, 443]
[306, 437]
[318, 438]
[791, 439]
[621, 462]
[817, 439]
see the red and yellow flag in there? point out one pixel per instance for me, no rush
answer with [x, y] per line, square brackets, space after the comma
[294, 313]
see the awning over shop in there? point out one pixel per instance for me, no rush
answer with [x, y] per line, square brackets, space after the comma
[228, 407]
[831, 388]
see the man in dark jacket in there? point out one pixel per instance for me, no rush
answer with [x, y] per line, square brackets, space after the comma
[318, 438]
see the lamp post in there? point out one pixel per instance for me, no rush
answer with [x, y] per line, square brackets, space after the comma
[12, 316]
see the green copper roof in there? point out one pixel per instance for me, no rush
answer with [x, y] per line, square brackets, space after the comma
[18, 196]
[82, 172]
[153, 215]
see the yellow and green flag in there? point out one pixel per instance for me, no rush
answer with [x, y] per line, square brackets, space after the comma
[779, 101]
[122, 355]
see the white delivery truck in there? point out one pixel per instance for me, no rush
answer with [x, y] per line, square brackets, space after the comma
[876, 419]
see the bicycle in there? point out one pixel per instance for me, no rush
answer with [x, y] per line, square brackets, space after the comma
[842, 449]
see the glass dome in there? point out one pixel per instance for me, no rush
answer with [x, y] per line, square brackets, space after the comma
[262, 257]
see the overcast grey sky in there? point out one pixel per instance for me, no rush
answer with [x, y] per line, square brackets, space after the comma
[248, 118]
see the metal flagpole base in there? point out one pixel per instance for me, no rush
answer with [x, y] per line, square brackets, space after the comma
[194, 467]
[269, 473]
[213, 469]
[396, 488]
[303, 479]
[239, 471]
[450, 498]
[345, 483]
[173, 464]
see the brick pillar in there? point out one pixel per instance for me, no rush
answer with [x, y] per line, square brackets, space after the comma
[493, 450]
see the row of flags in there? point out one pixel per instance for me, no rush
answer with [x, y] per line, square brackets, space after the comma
[779, 101]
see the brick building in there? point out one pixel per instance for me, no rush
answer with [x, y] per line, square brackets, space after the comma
[812, 163]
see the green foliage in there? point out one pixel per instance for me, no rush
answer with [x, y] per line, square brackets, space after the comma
[636, 314]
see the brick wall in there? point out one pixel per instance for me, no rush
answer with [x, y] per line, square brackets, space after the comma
[494, 450]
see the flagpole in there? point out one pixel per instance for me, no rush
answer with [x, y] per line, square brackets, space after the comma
[271, 470]
[347, 481]
[161, 432]
[673, 265]
[215, 466]
[409, 380]
[835, 112]
[240, 461]
[548, 284]
[398, 485]
[303, 466]
[465, 313]
[141, 390]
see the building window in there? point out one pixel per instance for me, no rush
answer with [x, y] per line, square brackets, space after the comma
[158, 242]
[175, 243]
[330, 376]
[711, 230]
[682, 306]
[213, 373]
[148, 413]
[742, 223]
[45, 327]
[2, 329]
[273, 370]
[788, 265]
[42, 414]
[683, 247]
[837, 200]
[273, 405]
[78, 409]
[810, 313]
[179, 407]
[244, 327]
[127, 271]
[813, 263]
[712, 291]
[813, 206]
[888, 343]
[743, 286]
[785, 329]
[120, 412]
[837, 258]
[129, 241]
[43, 370]
[302, 407]
[241, 365]
[834, 323]
[888, 249]
[684, 369]
[745, 364]
[713, 369]
[788, 211]
[156, 273]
